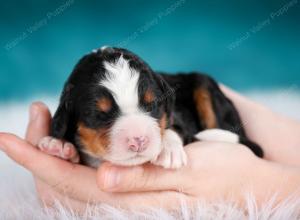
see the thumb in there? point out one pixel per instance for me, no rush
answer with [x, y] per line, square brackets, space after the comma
[148, 177]
[39, 123]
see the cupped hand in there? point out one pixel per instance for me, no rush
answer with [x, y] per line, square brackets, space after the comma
[215, 170]
[218, 169]
[74, 185]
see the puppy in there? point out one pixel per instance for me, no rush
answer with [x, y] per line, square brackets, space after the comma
[114, 107]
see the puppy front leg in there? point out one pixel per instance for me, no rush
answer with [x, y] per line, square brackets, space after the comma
[172, 155]
[59, 148]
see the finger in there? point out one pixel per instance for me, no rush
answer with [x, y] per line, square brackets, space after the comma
[39, 123]
[74, 181]
[112, 178]
[61, 175]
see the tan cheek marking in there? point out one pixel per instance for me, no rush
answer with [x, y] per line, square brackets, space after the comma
[204, 107]
[104, 104]
[93, 141]
[149, 96]
[163, 123]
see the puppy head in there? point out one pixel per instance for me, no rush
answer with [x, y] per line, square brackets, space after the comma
[114, 107]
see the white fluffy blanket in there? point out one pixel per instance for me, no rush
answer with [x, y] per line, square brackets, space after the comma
[18, 199]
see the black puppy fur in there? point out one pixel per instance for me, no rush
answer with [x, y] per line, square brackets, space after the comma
[187, 121]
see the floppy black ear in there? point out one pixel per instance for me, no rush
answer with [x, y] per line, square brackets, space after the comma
[168, 94]
[61, 119]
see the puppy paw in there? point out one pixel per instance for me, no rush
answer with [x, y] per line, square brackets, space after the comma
[59, 148]
[217, 134]
[172, 155]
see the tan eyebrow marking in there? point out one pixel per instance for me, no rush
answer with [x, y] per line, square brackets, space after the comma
[104, 104]
[149, 96]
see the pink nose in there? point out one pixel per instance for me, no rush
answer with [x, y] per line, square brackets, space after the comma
[138, 144]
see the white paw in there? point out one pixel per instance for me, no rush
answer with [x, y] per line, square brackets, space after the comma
[59, 148]
[217, 134]
[172, 155]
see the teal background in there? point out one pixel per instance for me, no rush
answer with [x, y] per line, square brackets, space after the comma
[169, 35]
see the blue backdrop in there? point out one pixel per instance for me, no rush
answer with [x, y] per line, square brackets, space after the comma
[245, 44]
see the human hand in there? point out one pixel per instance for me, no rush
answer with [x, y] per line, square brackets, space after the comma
[278, 135]
[215, 171]
[39, 127]
[75, 184]
[58, 179]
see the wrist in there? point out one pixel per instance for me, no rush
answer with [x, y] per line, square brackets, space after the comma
[269, 179]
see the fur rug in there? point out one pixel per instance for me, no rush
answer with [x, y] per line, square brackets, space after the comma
[19, 201]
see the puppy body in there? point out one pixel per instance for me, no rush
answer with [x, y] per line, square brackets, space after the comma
[115, 107]
[201, 107]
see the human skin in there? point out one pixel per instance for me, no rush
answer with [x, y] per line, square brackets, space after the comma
[277, 134]
[215, 170]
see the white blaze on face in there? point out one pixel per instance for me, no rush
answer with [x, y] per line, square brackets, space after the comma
[122, 81]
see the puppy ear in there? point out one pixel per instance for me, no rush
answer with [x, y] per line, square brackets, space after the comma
[168, 94]
[61, 119]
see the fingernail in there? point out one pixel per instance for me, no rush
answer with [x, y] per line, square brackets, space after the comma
[33, 112]
[111, 178]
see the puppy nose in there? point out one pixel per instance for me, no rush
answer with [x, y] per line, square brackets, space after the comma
[138, 144]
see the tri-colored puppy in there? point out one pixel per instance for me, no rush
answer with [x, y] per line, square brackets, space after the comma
[114, 107]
